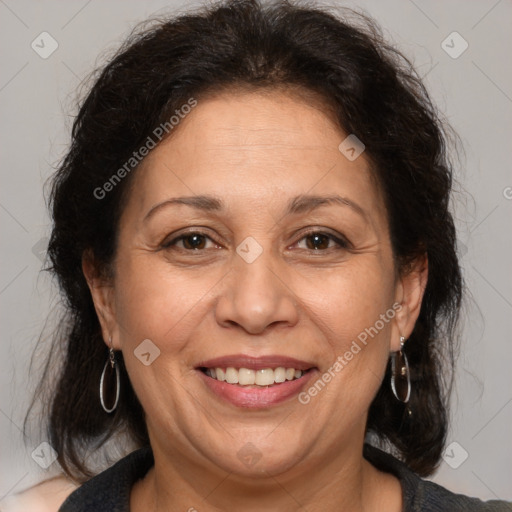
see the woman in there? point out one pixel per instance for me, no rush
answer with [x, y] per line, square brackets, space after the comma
[251, 229]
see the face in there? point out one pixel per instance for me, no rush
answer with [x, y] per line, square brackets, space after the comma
[251, 249]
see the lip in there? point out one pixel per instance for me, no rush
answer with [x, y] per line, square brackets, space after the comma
[254, 397]
[256, 363]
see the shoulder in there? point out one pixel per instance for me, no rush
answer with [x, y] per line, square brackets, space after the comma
[110, 490]
[431, 496]
[47, 496]
[422, 495]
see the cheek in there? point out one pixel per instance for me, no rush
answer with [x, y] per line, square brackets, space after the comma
[351, 299]
[153, 301]
[354, 311]
[156, 304]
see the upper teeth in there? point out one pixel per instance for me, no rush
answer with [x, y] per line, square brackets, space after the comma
[247, 377]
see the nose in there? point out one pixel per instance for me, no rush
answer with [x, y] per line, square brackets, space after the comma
[256, 297]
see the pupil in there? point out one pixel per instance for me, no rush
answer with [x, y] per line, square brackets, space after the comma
[194, 241]
[319, 241]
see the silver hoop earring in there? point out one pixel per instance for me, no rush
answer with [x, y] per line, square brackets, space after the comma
[109, 375]
[400, 376]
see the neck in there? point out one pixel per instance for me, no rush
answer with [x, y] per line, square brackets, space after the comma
[345, 482]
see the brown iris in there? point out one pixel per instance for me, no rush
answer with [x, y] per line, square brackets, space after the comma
[194, 241]
[317, 241]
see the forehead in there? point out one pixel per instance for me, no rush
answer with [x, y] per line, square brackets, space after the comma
[245, 146]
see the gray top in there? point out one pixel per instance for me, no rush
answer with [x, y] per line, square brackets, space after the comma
[110, 491]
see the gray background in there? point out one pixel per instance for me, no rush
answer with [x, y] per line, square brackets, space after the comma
[475, 93]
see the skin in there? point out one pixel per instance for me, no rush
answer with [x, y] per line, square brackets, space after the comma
[46, 496]
[256, 151]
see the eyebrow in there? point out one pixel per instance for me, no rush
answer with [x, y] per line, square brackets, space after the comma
[300, 204]
[306, 203]
[204, 203]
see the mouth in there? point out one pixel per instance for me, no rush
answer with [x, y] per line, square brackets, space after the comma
[250, 382]
[264, 377]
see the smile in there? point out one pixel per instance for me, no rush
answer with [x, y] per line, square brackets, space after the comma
[249, 377]
[255, 382]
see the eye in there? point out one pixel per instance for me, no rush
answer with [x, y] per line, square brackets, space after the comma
[319, 241]
[191, 242]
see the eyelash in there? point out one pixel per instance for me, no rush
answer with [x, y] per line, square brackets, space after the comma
[341, 242]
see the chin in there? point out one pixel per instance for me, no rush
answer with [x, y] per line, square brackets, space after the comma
[259, 459]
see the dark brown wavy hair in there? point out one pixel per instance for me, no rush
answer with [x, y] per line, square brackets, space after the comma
[374, 93]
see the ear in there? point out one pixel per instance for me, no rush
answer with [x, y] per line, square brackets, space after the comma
[102, 292]
[409, 293]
